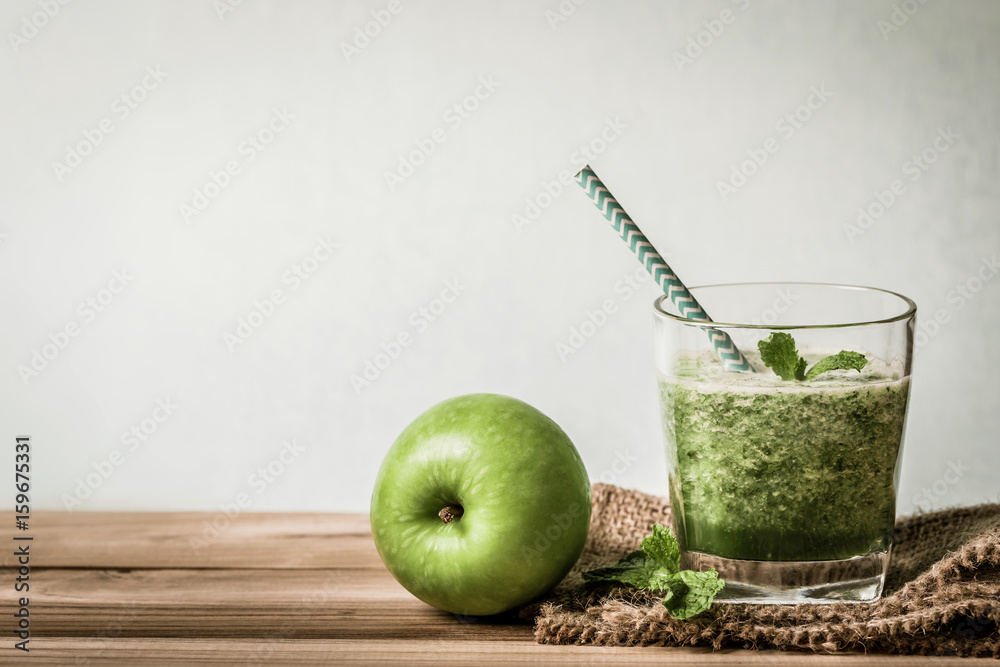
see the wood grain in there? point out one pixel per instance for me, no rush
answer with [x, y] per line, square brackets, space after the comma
[362, 604]
[112, 588]
[189, 539]
[426, 651]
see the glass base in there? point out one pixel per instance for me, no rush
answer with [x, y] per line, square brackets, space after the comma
[858, 579]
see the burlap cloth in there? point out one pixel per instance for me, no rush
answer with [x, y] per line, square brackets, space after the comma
[942, 595]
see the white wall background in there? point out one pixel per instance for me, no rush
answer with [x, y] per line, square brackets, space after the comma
[162, 337]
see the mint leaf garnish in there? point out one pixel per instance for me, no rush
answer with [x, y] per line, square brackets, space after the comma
[844, 359]
[691, 593]
[637, 570]
[778, 353]
[655, 567]
[662, 548]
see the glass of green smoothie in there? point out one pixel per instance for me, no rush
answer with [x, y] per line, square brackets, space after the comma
[784, 479]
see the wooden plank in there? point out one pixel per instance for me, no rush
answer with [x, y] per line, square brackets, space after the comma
[190, 540]
[427, 651]
[362, 604]
[129, 588]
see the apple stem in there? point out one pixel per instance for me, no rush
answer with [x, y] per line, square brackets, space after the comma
[450, 513]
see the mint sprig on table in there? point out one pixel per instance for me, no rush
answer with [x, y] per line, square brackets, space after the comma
[778, 353]
[656, 567]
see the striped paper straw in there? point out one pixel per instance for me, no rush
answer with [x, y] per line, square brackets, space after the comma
[689, 308]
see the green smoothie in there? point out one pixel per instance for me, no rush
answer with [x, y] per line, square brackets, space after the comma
[767, 469]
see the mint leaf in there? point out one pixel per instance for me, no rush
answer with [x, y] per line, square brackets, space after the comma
[842, 360]
[662, 547]
[637, 570]
[648, 568]
[691, 593]
[655, 568]
[778, 353]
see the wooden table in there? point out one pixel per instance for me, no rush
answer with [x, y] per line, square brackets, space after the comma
[130, 588]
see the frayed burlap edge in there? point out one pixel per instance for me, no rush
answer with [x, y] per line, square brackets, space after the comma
[942, 593]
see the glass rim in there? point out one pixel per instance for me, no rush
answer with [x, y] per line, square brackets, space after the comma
[911, 308]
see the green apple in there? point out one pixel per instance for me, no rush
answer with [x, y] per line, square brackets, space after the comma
[481, 505]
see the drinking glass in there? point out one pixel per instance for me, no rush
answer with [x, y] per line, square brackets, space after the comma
[786, 487]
